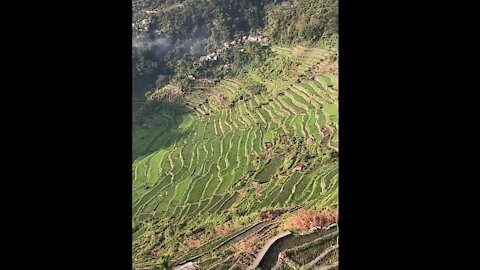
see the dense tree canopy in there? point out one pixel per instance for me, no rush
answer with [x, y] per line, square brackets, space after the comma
[309, 21]
[170, 34]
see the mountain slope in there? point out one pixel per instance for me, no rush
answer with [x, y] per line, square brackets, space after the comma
[237, 150]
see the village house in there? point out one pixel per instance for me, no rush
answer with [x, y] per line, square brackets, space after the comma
[262, 38]
[222, 97]
[151, 11]
[251, 38]
[214, 55]
[300, 167]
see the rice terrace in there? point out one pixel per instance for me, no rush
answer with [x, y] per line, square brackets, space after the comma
[235, 136]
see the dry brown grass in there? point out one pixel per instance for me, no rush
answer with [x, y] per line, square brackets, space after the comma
[328, 66]
[201, 239]
[193, 243]
[218, 231]
[246, 245]
[308, 219]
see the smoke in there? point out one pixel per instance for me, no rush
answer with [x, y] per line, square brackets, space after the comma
[195, 44]
[158, 45]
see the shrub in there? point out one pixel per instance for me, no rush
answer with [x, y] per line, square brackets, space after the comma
[308, 219]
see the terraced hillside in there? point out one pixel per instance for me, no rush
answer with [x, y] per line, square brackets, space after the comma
[202, 176]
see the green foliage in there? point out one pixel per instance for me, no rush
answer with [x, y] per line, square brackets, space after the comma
[189, 29]
[215, 20]
[254, 88]
[233, 61]
[163, 263]
[277, 67]
[308, 21]
[194, 28]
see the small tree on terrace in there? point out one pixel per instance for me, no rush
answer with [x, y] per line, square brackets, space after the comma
[163, 263]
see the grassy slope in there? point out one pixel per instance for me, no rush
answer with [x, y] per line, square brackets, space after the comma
[196, 170]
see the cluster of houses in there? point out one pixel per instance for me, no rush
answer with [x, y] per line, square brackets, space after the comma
[143, 25]
[209, 57]
[239, 41]
[203, 81]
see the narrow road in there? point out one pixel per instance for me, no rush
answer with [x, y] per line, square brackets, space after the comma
[265, 248]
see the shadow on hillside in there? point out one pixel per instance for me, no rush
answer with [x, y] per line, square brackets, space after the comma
[155, 126]
[291, 241]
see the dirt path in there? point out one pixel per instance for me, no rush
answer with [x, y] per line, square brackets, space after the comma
[265, 248]
[247, 233]
[229, 242]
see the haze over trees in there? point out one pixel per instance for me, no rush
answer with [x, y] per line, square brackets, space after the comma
[167, 35]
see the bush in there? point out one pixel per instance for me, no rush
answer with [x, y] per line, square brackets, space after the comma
[163, 263]
[305, 219]
[255, 88]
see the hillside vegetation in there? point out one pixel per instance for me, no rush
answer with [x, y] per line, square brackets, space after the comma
[166, 33]
[235, 157]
